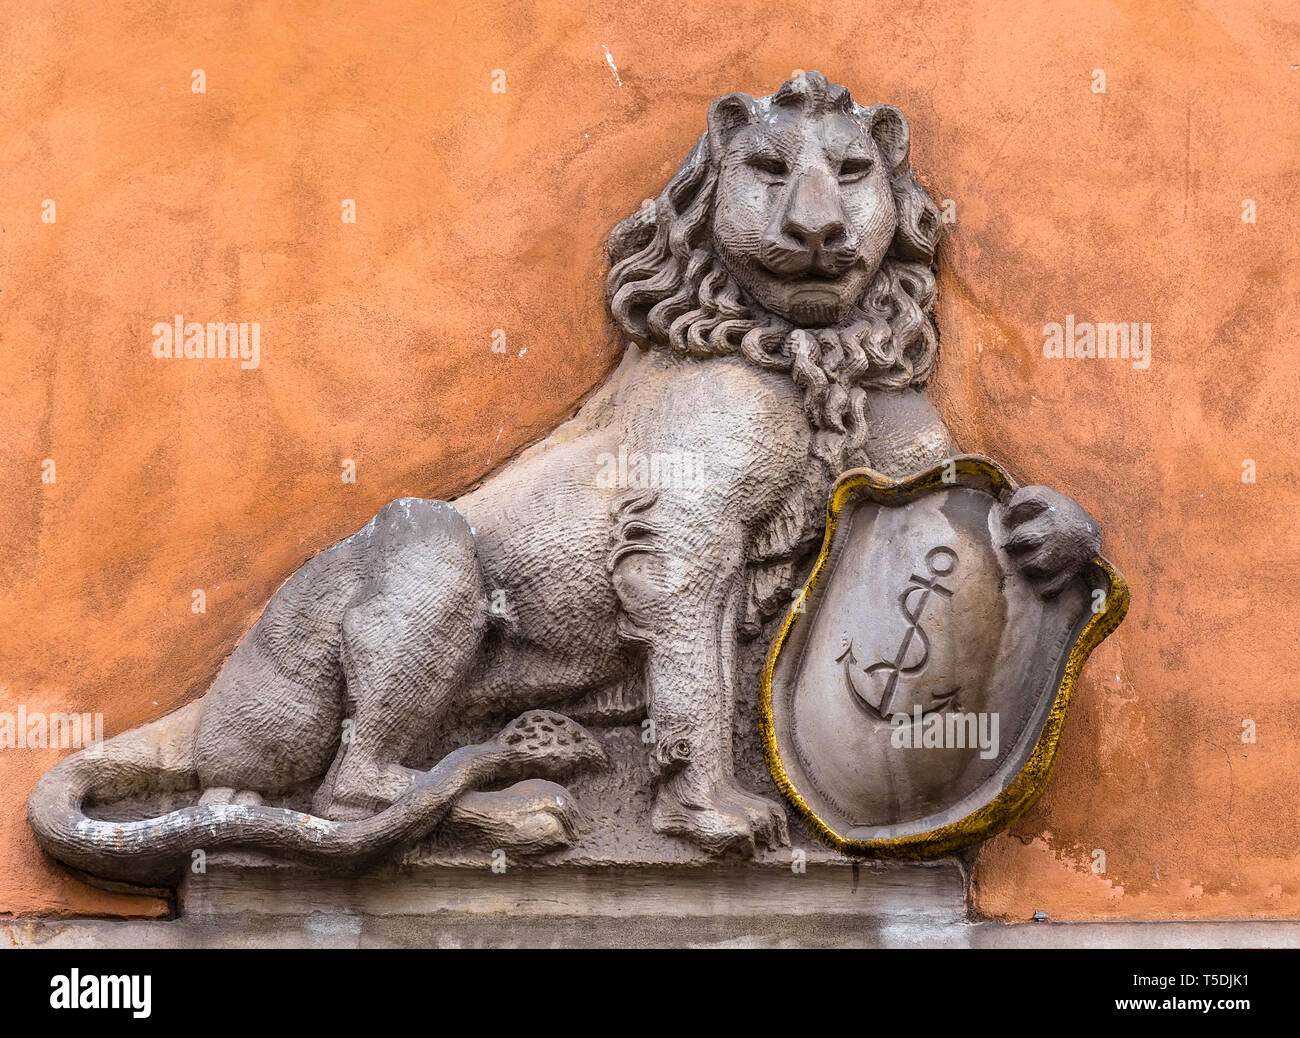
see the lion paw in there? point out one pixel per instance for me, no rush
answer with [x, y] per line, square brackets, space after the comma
[729, 819]
[362, 789]
[530, 817]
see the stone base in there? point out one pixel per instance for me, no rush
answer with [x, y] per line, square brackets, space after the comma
[830, 901]
[248, 901]
[252, 901]
[647, 903]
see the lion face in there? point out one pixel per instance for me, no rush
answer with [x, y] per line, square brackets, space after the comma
[796, 236]
[804, 212]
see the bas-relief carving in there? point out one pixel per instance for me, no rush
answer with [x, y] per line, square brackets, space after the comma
[912, 703]
[777, 302]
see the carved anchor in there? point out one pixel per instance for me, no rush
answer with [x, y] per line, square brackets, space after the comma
[941, 562]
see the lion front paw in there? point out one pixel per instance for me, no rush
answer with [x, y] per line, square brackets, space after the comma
[726, 820]
[1050, 536]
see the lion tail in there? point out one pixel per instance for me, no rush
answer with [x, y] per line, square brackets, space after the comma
[155, 758]
[158, 850]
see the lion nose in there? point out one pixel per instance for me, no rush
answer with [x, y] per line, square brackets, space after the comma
[813, 216]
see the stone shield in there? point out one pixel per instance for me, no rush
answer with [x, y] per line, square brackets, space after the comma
[913, 700]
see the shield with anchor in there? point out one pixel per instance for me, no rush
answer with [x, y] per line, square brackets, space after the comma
[913, 699]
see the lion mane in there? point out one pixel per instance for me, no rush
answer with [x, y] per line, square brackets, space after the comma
[669, 290]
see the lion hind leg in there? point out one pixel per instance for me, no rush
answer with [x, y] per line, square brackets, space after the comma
[408, 644]
[531, 817]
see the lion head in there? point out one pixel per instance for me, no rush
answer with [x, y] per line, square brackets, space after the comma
[795, 235]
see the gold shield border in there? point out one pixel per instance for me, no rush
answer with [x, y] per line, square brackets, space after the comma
[975, 471]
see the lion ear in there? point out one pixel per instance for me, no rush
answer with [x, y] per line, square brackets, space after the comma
[726, 115]
[888, 128]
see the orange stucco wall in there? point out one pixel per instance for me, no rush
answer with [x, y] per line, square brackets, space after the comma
[479, 211]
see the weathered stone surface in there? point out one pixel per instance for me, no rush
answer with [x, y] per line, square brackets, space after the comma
[645, 888]
[564, 908]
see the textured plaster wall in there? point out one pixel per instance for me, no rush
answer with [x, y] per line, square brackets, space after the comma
[479, 211]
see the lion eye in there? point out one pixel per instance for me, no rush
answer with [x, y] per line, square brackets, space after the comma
[772, 165]
[854, 169]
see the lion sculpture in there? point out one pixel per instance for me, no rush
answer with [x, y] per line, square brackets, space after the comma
[777, 297]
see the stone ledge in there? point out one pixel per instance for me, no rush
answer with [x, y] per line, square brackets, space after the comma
[839, 888]
[256, 902]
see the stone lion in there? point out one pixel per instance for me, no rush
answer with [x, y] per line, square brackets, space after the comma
[777, 297]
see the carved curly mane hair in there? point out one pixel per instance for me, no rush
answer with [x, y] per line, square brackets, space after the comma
[668, 288]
